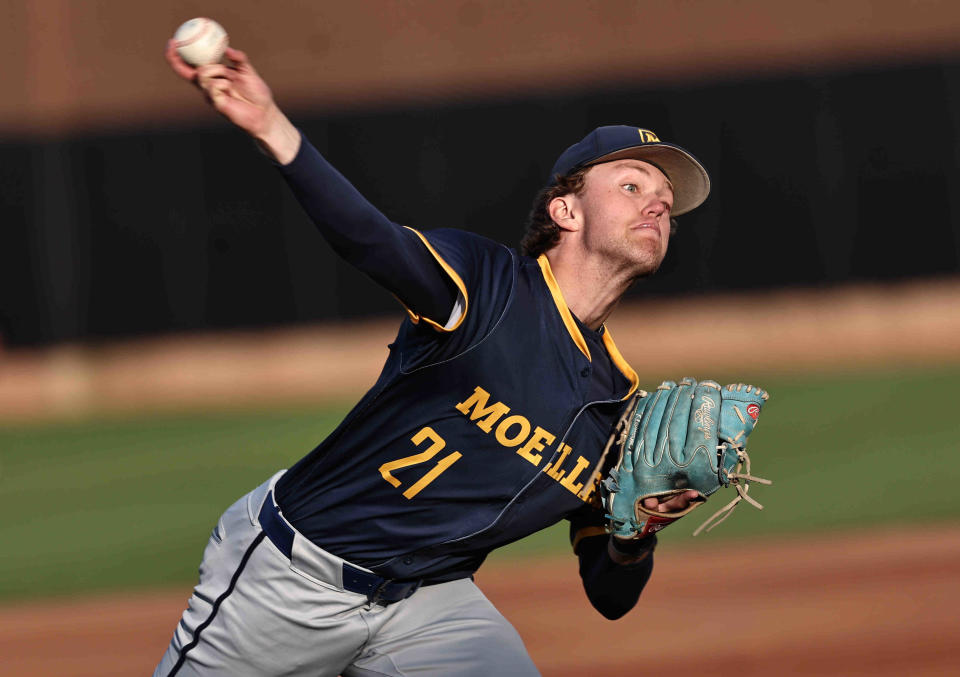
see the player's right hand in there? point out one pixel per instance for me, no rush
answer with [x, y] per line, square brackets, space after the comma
[235, 90]
[238, 93]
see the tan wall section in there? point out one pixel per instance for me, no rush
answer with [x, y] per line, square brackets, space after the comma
[752, 336]
[96, 64]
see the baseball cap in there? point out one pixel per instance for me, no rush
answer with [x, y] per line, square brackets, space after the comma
[691, 183]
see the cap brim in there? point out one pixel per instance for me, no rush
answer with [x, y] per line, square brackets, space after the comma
[691, 183]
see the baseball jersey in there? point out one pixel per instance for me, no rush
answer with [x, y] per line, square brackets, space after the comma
[477, 433]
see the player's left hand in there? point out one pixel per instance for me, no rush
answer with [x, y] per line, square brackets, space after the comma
[655, 504]
[673, 504]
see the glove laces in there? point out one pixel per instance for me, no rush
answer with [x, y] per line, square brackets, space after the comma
[741, 482]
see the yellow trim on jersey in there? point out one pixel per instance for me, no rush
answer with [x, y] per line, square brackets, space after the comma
[561, 304]
[574, 330]
[453, 276]
[621, 363]
[587, 532]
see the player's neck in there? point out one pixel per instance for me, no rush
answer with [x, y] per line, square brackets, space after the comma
[591, 292]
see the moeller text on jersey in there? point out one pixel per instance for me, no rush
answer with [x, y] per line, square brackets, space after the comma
[514, 431]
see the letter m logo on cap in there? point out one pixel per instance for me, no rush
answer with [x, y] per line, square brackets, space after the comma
[647, 136]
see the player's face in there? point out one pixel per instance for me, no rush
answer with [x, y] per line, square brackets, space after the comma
[625, 206]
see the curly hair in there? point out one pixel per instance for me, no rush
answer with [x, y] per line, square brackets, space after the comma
[542, 233]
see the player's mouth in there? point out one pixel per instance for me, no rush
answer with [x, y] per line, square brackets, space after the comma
[654, 226]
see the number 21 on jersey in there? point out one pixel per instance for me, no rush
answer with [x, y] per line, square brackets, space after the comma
[436, 445]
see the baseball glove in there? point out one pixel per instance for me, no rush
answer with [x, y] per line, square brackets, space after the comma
[682, 436]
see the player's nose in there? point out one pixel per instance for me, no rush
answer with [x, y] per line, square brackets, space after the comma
[655, 207]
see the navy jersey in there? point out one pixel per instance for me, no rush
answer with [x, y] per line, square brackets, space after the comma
[475, 434]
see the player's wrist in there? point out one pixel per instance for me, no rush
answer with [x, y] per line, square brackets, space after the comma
[626, 551]
[278, 138]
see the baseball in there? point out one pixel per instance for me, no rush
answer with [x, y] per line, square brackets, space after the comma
[200, 41]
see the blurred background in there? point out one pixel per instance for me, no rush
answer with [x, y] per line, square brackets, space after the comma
[173, 329]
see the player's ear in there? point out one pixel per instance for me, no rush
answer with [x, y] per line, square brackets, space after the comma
[561, 210]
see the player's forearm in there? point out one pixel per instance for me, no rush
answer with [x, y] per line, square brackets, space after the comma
[613, 588]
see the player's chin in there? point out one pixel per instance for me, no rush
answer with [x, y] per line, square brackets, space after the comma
[647, 260]
[645, 266]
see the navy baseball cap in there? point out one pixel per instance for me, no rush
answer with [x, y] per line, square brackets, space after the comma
[691, 183]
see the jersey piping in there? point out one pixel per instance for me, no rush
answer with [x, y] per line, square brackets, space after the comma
[448, 269]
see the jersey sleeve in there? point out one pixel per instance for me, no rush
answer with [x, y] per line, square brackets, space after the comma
[484, 271]
[459, 309]
[485, 275]
[395, 257]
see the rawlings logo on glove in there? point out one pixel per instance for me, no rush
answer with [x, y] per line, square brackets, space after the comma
[683, 436]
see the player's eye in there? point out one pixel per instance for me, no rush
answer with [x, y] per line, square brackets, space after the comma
[630, 187]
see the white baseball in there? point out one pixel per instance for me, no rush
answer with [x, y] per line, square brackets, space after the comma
[200, 41]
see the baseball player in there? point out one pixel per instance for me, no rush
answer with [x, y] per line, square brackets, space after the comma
[487, 423]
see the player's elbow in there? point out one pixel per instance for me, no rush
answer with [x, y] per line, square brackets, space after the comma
[613, 608]
[613, 614]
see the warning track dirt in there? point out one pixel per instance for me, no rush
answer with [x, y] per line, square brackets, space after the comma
[846, 604]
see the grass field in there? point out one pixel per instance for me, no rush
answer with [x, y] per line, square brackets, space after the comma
[129, 503]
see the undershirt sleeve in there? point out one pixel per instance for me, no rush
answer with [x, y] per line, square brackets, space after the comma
[393, 256]
[613, 589]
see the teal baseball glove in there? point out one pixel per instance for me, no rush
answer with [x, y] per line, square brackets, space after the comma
[680, 437]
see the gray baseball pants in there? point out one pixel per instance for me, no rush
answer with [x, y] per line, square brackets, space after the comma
[256, 611]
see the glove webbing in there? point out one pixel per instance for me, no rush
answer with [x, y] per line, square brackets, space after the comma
[742, 488]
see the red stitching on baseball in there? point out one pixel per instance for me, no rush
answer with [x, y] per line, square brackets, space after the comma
[204, 27]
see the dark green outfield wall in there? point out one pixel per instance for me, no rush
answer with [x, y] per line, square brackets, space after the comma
[819, 179]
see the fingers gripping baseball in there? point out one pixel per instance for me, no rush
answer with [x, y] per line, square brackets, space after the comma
[235, 89]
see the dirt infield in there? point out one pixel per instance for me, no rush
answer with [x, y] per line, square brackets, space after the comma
[847, 604]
